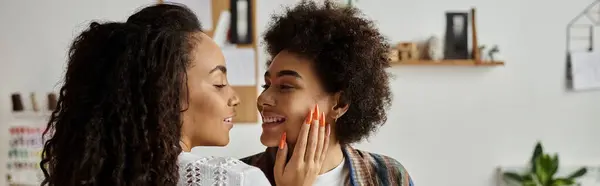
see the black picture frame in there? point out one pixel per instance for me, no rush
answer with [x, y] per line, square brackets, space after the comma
[457, 35]
[234, 36]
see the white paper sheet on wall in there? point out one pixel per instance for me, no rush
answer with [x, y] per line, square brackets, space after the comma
[202, 9]
[585, 70]
[240, 66]
[25, 148]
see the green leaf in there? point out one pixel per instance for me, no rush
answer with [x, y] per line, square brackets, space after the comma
[537, 152]
[542, 171]
[530, 183]
[562, 182]
[582, 171]
[513, 176]
[527, 177]
[553, 165]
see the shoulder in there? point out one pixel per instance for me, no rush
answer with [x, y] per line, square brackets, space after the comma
[384, 166]
[189, 159]
[253, 159]
[194, 169]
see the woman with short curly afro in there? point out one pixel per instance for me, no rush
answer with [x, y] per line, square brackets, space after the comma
[329, 57]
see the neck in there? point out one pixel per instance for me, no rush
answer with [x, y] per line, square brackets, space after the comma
[334, 157]
[185, 145]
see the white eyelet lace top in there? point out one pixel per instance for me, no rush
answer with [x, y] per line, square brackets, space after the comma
[197, 170]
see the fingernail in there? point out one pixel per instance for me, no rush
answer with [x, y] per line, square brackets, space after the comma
[282, 141]
[322, 120]
[328, 130]
[316, 112]
[308, 117]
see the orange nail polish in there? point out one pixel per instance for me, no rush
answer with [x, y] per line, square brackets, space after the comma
[282, 141]
[322, 119]
[308, 118]
[316, 112]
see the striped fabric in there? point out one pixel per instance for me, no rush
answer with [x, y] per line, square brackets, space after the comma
[366, 169]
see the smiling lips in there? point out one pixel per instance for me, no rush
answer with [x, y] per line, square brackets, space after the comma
[271, 118]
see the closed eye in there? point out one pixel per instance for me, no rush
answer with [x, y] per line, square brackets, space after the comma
[220, 86]
[283, 87]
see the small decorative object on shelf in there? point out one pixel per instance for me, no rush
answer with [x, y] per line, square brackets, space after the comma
[34, 103]
[493, 51]
[17, 102]
[435, 48]
[481, 48]
[407, 51]
[52, 101]
[393, 55]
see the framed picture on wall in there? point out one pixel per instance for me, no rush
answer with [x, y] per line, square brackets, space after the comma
[457, 35]
[241, 22]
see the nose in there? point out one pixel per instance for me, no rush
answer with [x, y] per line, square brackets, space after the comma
[264, 100]
[234, 101]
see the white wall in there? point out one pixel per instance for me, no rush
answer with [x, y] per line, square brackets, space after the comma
[448, 125]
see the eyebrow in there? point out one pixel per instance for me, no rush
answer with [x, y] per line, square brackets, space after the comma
[219, 68]
[285, 73]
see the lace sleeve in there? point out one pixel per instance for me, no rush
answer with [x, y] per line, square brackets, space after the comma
[219, 171]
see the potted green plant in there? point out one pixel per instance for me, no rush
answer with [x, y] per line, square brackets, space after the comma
[542, 171]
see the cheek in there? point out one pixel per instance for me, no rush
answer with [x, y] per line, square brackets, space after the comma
[207, 107]
[297, 109]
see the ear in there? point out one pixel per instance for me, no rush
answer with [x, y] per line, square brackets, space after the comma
[340, 106]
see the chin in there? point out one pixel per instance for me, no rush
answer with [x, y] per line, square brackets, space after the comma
[269, 140]
[224, 143]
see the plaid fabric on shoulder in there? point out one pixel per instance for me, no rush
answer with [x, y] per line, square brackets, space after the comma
[366, 169]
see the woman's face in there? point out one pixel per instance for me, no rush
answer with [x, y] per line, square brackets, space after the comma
[209, 105]
[291, 90]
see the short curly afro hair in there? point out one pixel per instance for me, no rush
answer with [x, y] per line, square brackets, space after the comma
[349, 55]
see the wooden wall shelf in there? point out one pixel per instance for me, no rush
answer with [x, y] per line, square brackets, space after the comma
[453, 62]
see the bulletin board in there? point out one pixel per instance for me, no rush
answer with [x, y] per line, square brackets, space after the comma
[248, 92]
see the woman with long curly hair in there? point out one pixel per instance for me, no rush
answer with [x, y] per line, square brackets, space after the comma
[137, 96]
[332, 57]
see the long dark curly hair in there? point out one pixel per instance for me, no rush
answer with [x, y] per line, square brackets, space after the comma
[349, 54]
[118, 118]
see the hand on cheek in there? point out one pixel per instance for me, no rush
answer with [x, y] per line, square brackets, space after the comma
[308, 154]
[293, 129]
